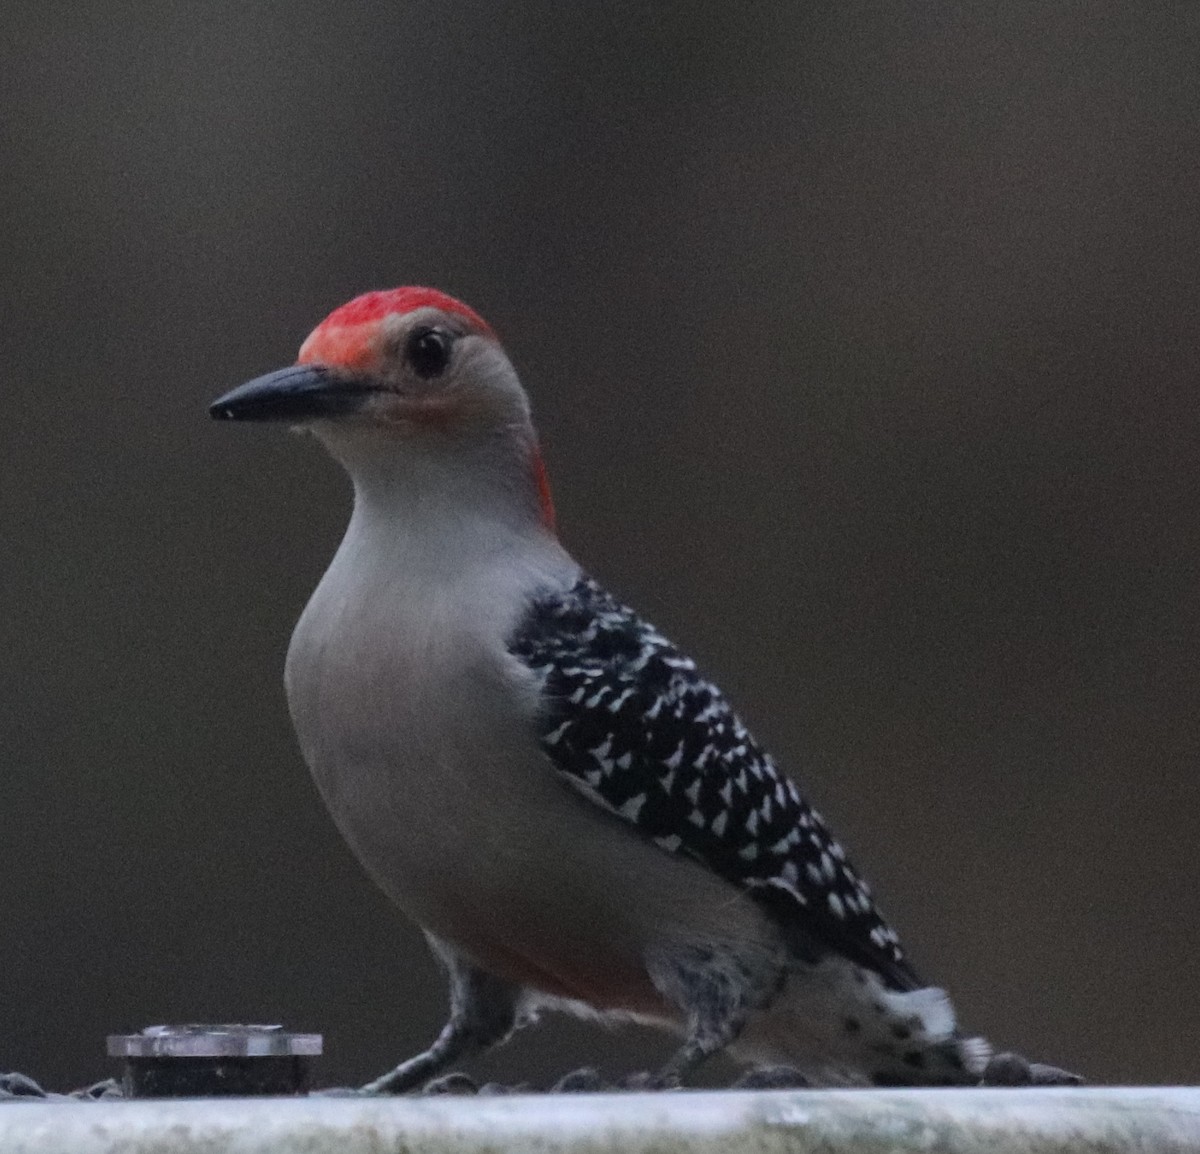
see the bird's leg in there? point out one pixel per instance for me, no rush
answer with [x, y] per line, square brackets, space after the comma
[705, 1037]
[453, 1042]
[717, 989]
[483, 1012]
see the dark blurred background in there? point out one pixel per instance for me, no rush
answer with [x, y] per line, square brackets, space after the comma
[864, 344]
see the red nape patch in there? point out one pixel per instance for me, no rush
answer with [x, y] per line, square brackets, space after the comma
[542, 481]
[374, 306]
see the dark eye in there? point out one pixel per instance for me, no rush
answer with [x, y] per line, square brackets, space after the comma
[428, 352]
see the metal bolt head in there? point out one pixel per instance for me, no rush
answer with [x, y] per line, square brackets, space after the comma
[201, 1060]
[214, 1041]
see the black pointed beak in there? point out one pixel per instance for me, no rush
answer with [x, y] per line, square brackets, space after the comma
[301, 392]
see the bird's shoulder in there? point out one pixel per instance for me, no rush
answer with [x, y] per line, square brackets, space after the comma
[633, 724]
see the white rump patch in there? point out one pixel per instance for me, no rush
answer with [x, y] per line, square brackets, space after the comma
[840, 1025]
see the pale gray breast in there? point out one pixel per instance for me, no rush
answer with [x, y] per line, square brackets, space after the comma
[412, 716]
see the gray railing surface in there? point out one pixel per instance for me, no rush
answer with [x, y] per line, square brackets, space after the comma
[1096, 1120]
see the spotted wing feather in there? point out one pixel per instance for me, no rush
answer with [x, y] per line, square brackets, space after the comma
[632, 724]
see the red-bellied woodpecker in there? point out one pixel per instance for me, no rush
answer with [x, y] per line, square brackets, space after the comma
[535, 775]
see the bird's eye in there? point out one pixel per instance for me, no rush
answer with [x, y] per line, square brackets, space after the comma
[428, 351]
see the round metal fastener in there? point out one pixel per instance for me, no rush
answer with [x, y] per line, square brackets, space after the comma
[199, 1060]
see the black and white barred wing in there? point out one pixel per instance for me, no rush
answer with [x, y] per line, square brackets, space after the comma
[636, 728]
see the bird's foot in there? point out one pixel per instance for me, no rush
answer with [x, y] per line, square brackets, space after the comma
[1011, 1069]
[389, 1087]
[105, 1091]
[584, 1081]
[455, 1083]
[412, 1075]
[645, 1080]
[771, 1078]
[15, 1087]
[494, 1089]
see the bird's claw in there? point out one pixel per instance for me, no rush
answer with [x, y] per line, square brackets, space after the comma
[1011, 1069]
[16, 1086]
[494, 1089]
[644, 1080]
[456, 1083]
[583, 1081]
[109, 1089]
[771, 1078]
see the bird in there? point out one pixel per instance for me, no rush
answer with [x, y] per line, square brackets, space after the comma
[572, 813]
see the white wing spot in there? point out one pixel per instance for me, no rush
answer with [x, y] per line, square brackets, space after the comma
[633, 807]
[620, 700]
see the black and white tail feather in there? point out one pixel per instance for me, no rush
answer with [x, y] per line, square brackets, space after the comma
[631, 723]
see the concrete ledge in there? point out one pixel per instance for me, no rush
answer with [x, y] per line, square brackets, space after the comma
[1030, 1121]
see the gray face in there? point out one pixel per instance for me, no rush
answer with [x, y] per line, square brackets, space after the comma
[422, 372]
